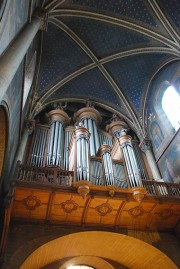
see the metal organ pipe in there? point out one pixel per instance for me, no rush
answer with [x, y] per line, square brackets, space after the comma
[107, 164]
[58, 119]
[125, 141]
[68, 134]
[118, 129]
[90, 117]
[138, 156]
[82, 136]
[37, 155]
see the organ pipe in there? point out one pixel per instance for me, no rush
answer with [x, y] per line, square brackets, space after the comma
[58, 118]
[68, 134]
[89, 117]
[118, 129]
[107, 164]
[82, 136]
[119, 176]
[131, 164]
[138, 157]
[38, 149]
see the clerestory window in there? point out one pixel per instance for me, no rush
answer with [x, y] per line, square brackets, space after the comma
[171, 106]
[80, 267]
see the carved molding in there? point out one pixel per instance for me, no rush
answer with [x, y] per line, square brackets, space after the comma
[69, 206]
[145, 145]
[43, 15]
[29, 126]
[136, 211]
[31, 202]
[165, 214]
[104, 209]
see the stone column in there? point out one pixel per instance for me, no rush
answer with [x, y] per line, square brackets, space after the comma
[146, 147]
[28, 130]
[13, 56]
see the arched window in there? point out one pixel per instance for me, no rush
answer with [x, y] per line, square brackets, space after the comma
[171, 106]
[80, 267]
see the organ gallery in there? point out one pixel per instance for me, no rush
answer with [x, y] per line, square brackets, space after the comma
[102, 157]
[89, 134]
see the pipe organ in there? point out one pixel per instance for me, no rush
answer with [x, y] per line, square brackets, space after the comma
[96, 172]
[36, 158]
[68, 133]
[90, 117]
[82, 136]
[139, 159]
[56, 137]
[105, 138]
[130, 160]
[105, 152]
[119, 129]
[101, 157]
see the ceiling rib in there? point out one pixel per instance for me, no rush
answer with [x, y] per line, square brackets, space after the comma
[115, 21]
[165, 22]
[137, 51]
[100, 67]
[51, 6]
[65, 80]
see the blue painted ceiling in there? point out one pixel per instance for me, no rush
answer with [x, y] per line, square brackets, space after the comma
[120, 45]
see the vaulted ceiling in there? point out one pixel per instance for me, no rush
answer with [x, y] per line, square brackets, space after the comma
[108, 51]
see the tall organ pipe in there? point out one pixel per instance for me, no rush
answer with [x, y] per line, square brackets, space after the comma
[58, 119]
[90, 118]
[37, 155]
[107, 164]
[68, 134]
[118, 129]
[82, 136]
[125, 142]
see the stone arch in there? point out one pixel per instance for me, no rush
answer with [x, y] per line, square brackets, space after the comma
[122, 249]
[3, 136]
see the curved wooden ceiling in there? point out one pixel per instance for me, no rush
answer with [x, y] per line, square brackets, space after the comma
[122, 249]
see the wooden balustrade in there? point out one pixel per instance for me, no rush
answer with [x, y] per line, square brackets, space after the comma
[59, 177]
[161, 188]
[44, 175]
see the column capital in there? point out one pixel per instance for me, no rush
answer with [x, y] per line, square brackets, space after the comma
[29, 126]
[145, 145]
[43, 16]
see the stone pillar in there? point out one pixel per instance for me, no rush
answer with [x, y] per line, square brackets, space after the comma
[90, 118]
[58, 118]
[28, 130]
[13, 56]
[146, 147]
[105, 152]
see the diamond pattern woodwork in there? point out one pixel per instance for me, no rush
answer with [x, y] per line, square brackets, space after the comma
[65, 206]
[69, 206]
